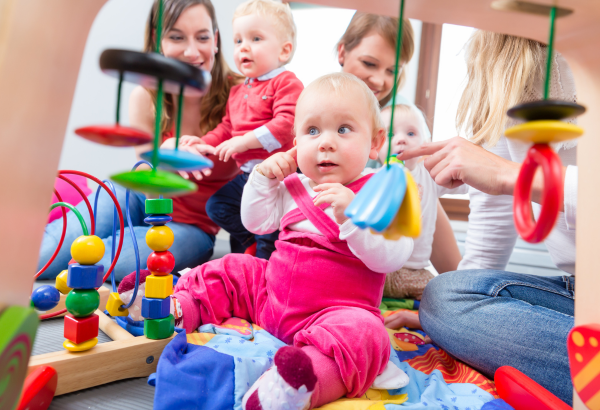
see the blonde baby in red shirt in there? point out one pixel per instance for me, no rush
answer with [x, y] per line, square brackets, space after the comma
[260, 112]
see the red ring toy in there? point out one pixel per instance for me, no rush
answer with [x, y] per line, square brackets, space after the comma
[539, 155]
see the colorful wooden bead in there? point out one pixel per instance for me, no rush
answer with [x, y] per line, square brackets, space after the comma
[81, 347]
[159, 287]
[85, 276]
[583, 345]
[45, 297]
[61, 282]
[158, 220]
[159, 328]
[39, 389]
[155, 182]
[81, 329]
[156, 308]
[159, 238]
[544, 131]
[161, 263]
[18, 325]
[159, 206]
[82, 302]
[87, 250]
[546, 110]
[113, 305]
[173, 160]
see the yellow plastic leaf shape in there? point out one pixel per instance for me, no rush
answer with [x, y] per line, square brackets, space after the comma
[408, 219]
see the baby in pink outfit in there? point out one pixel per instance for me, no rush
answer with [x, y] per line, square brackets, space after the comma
[320, 291]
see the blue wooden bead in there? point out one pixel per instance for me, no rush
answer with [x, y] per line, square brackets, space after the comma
[45, 297]
[156, 308]
[85, 276]
[158, 220]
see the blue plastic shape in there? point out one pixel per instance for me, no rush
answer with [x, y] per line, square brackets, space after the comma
[158, 220]
[45, 297]
[377, 203]
[85, 276]
[176, 160]
[156, 308]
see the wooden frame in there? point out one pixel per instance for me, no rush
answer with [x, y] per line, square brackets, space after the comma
[37, 91]
[456, 209]
[125, 357]
[427, 78]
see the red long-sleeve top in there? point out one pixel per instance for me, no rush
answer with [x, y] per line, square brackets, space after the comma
[270, 103]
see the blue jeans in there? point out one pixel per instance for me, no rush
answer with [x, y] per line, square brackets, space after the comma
[224, 209]
[489, 318]
[191, 247]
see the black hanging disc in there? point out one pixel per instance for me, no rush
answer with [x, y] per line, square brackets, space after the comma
[146, 68]
[546, 110]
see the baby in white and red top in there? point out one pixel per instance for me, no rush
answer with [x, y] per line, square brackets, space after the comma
[260, 112]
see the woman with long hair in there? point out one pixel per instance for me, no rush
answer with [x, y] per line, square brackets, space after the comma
[481, 314]
[190, 34]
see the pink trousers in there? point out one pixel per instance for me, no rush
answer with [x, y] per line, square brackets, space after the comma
[312, 293]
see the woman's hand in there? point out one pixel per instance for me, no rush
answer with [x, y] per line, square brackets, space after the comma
[279, 165]
[457, 161]
[338, 196]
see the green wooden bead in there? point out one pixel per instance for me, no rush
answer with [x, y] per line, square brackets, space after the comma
[159, 328]
[159, 206]
[82, 302]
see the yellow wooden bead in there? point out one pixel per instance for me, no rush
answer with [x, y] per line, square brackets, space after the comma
[544, 131]
[408, 219]
[113, 305]
[159, 287]
[159, 238]
[61, 282]
[87, 250]
[80, 347]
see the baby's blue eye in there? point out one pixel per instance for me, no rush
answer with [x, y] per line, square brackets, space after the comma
[237, 41]
[313, 131]
[411, 134]
[343, 130]
[256, 39]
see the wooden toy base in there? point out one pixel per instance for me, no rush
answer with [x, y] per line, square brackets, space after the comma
[125, 357]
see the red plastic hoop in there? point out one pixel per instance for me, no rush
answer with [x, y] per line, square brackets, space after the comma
[539, 155]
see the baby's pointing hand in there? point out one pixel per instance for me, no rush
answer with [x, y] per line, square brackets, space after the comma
[337, 195]
[279, 165]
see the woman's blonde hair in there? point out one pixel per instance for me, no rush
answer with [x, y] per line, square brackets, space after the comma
[338, 83]
[214, 102]
[500, 69]
[363, 24]
[280, 13]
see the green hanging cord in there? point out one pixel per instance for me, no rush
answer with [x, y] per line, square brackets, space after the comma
[159, 25]
[550, 54]
[179, 113]
[159, 107]
[398, 47]
[119, 97]
[159, 91]
[76, 212]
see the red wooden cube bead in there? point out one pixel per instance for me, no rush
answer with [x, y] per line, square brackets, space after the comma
[80, 329]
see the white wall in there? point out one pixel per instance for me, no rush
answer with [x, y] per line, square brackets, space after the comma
[120, 24]
[319, 30]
